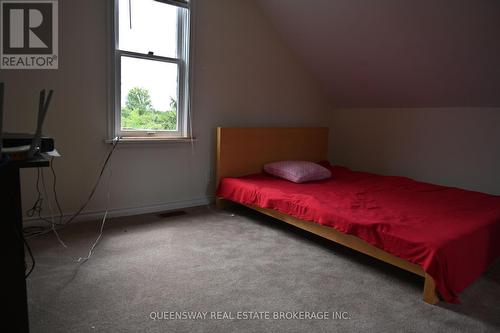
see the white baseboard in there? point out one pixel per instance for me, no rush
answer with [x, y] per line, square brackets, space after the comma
[96, 215]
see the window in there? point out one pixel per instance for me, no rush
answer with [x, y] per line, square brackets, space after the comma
[150, 86]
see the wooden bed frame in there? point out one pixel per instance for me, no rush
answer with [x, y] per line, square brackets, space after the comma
[242, 151]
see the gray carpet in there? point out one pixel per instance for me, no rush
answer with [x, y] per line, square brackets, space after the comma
[208, 261]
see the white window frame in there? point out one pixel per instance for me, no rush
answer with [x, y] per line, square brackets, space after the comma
[182, 61]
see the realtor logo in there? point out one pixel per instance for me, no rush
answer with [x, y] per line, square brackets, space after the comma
[29, 37]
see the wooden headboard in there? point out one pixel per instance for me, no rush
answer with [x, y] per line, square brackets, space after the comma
[242, 151]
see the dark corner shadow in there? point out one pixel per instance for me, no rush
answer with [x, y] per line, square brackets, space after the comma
[480, 301]
[493, 273]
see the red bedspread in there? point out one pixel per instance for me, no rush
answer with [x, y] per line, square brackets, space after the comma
[452, 234]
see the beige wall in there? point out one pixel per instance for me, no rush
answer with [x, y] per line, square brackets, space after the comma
[243, 76]
[451, 146]
[401, 53]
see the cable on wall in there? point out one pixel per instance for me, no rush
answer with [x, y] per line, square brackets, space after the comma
[84, 259]
[54, 189]
[72, 218]
[53, 224]
[37, 207]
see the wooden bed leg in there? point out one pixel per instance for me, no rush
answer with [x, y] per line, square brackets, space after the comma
[430, 294]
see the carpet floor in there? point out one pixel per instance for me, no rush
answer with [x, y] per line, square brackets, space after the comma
[243, 273]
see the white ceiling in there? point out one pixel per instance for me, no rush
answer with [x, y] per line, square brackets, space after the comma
[396, 53]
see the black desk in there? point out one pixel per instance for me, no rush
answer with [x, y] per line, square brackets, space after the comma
[12, 220]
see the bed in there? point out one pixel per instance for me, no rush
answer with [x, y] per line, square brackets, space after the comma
[446, 235]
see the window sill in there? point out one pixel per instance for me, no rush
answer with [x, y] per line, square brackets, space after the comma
[151, 140]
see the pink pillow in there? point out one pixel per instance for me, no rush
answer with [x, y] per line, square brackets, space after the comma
[297, 171]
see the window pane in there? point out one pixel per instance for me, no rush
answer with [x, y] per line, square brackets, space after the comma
[148, 25]
[148, 95]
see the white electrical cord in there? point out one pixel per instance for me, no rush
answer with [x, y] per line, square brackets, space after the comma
[37, 207]
[108, 159]
[52, 224]
[84, 259]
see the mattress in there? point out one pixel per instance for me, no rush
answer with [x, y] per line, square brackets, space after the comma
[453, 234]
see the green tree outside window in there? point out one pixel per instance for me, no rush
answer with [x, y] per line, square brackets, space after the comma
[139, 113]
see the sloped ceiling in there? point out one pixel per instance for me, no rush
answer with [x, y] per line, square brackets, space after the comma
[397, 53]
